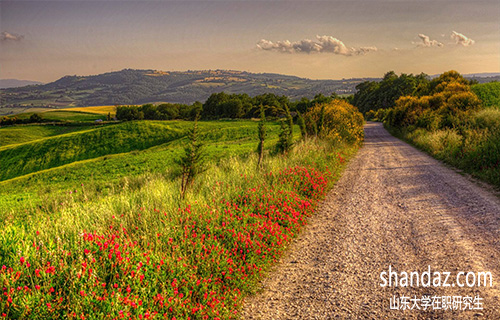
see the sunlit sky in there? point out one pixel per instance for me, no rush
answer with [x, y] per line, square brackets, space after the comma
[45, 40]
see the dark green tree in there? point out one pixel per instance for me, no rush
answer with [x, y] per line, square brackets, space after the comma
[285, 141]
[302, 125]
[191, 162]
[35, 117]
[262, 134]
[321, 121]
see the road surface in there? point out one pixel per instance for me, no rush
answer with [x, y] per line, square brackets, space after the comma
[394, 206]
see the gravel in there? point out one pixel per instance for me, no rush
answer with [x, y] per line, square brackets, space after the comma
[394, 205]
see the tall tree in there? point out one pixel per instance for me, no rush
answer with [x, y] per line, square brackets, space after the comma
[191, 162]
[262, 134]
[302, 125]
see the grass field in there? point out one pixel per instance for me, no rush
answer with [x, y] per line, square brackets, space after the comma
[80, 114]
[20, 134]
[105, 173]
[104, 110]
[92, 225]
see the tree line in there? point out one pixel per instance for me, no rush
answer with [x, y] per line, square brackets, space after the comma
[223, 106]
[375, 95]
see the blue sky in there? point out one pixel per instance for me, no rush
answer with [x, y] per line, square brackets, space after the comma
[44, 40]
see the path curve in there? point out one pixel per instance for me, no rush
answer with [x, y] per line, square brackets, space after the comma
[394, 205]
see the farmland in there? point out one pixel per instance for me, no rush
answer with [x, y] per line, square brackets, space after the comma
[93, 225]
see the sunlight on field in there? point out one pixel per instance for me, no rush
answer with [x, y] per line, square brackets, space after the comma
[96, 109]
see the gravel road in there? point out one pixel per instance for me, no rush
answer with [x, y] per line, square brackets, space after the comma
[394, 205]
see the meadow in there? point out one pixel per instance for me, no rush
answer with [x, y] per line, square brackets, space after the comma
[102, 232]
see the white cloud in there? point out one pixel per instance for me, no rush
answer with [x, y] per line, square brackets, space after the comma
[7, 36]
[327, 44]
[461, 39]
[427, 42]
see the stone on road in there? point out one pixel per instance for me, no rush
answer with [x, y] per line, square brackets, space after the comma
[394, 205]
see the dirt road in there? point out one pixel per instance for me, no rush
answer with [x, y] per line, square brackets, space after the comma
[394, 205]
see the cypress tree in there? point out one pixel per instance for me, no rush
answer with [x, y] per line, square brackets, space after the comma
[262, 134]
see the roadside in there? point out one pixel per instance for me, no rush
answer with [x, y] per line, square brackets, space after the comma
[394, 206]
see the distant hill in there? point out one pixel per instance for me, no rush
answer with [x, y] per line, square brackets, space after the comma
[142, 86]
[13, 83]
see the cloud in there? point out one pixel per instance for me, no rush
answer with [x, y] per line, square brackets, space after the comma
[327, 44]
[461, 39]
[427, 42]
[7, 36]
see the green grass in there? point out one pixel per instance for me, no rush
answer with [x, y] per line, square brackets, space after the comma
[55, 151]
[64, 115]
[20, 134]
[104, 173]
[103, 230]
[164, 240]
[474, 149]
[489, 93]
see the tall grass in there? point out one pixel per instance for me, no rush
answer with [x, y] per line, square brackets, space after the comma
[142, 252]
[474, 147]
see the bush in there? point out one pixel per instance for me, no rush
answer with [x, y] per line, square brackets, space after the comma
[341, 122]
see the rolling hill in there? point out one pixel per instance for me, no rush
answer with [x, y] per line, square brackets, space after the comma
[142, 86]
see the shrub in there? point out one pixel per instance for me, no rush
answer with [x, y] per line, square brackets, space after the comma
[341, 121]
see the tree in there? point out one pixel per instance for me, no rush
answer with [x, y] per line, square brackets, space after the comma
[35, 117]
[321, 121]
[191, 162]
[302, 125]
[285, 141]
[262, 134]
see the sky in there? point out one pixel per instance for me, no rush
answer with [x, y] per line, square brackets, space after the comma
[45, 40]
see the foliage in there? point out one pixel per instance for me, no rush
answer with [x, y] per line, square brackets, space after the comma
[488, 93]
[285, 142]
[302, 125]
[341, 122]
[451, 124]
[262, 135]
[191, 161]
[372, 95]
[140, 255]
[449, 105]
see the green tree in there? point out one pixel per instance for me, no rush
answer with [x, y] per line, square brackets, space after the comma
[262, 134]
[321, 121]
[285, 141]
[191, 162]
[35, 117]
[302, 125]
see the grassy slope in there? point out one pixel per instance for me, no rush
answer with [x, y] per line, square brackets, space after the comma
[236, 206]
[102, 175]
[21, 134]
[59, 150]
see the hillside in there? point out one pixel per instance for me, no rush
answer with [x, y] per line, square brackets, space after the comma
[12, 83]
[142, 86]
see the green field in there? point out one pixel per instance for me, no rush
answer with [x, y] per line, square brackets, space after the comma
[63, 162]
[21, 134]
[93, 224]
[65, 115]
